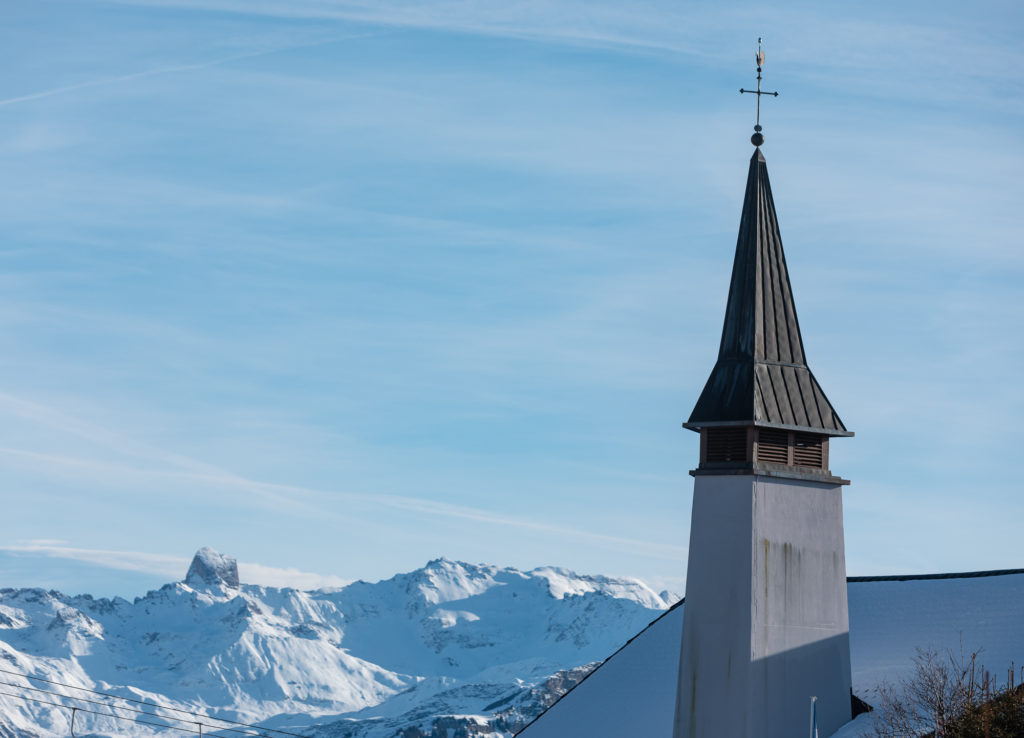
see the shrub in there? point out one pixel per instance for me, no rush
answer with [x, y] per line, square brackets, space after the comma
[950, 696]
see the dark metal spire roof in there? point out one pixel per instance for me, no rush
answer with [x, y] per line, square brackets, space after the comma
[761, 376]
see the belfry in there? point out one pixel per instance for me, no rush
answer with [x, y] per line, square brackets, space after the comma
[766, 626]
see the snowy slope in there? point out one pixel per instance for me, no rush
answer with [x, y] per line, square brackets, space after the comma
[450, 638]
[633, 693]
[451, 648]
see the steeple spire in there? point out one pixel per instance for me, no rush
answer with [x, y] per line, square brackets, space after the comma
[761, 377]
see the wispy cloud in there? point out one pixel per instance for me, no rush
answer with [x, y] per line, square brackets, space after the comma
[648, 548]
[818, 40]
[286, 498]
[437, 292]
[173, 568]
[170, 69]
[568, 22]
[271, 576]
[306, 502]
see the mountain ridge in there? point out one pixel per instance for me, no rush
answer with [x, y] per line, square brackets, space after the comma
[367, 658]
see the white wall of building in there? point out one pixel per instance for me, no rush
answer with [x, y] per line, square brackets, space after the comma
[767, 624]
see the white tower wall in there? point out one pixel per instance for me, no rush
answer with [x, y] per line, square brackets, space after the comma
[767, 623]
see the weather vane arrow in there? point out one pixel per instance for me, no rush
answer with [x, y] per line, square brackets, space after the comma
[758, 138]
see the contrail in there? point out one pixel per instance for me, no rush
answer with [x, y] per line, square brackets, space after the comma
[161, 70]
[299, 500]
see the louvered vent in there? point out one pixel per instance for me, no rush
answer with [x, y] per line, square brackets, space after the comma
[726, 444]
[807, 450]
[773, 445]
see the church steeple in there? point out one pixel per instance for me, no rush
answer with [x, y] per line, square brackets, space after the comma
[761, 376]
[767, 623]
[762, 404]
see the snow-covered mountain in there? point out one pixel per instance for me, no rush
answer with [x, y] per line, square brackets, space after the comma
[449, 645]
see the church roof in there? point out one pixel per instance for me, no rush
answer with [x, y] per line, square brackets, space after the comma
[633, 691]
[762, 376]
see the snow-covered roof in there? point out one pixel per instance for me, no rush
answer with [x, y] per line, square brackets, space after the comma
[633, 692]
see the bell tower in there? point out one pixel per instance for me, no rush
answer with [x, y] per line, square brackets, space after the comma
[765, 625]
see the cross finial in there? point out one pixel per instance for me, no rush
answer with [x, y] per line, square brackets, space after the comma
[757, 139]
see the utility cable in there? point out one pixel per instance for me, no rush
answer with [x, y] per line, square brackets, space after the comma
[143, 703]
[103, 714]
[244, 731]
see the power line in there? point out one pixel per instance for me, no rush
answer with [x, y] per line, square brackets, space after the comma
[260, 730]
[106, 714]
[243, 731]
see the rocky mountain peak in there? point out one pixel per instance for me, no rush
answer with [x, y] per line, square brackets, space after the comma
[210, 567]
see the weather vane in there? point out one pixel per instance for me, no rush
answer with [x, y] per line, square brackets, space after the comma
[758, 138]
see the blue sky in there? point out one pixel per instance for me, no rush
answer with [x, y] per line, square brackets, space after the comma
[339, 287]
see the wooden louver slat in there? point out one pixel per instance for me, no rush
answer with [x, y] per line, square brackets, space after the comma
[773, 446]
[807, 450]
[727, 444]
